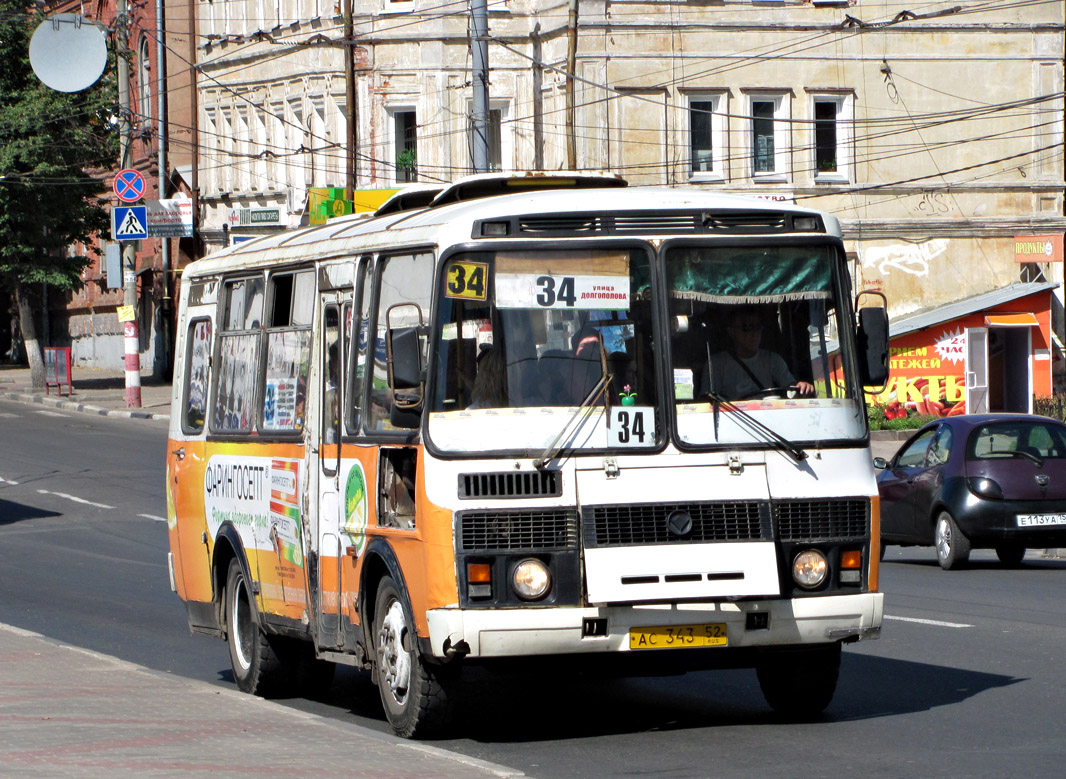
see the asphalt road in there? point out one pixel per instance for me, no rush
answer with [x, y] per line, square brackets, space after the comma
[967, 679]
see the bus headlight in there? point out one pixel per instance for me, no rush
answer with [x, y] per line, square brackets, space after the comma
[531, 579]
[809, 568]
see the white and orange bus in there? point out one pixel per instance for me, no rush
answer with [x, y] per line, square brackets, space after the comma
[527, 417]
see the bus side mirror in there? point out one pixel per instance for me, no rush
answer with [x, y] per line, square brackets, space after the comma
[405, 371]
[873, 345]
[405, 359]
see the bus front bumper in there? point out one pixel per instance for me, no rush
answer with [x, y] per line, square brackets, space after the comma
[550, 631]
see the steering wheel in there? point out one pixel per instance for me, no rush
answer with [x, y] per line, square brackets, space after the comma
[773, 392]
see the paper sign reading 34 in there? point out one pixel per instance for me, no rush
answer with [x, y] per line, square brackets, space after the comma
[467, 280]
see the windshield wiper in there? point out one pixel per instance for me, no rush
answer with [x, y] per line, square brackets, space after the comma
[556, 445]
[747, 420]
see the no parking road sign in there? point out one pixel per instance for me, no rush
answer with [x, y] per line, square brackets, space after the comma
[129, 223]
[128, 185]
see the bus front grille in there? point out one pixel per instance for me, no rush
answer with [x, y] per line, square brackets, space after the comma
[524, 530]
[803, 520]
[664, 523]
[822, 520]
[510, 484]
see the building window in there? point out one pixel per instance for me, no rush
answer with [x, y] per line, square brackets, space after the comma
[769, 136]
[405, 145]
[498, 131]
[495, 149]
[832, 137]
[144, 82]
[706, 141]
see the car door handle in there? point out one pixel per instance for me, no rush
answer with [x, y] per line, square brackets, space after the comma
[179, 453]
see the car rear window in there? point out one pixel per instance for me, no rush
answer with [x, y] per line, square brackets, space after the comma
[1004, 439]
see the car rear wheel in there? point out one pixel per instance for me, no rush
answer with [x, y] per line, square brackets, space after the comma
[1010, 554]
[952, 547]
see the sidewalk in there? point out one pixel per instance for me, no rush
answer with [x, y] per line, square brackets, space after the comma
[70, 712]
[95, 391]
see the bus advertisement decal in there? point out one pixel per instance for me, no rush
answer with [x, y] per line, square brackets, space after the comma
[260, 497]
[285, 509]
[355, 507]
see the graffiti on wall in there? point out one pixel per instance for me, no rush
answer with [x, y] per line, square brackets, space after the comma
[910, 258]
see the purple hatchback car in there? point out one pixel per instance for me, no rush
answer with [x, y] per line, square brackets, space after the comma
[987, 481]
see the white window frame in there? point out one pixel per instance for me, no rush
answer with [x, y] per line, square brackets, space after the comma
[506, 132]
[144, 81]
[716, 166]
[782, 105]
[393, 142]
[845, 124]
[397, 6]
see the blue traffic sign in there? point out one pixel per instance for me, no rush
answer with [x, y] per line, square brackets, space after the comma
[128, 185]
[129, 223]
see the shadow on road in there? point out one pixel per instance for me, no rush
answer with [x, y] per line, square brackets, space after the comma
[534, 707]
[11, 512]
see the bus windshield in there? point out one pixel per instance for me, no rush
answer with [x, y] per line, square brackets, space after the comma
[755, 349]
[526, 336]
[760, 329]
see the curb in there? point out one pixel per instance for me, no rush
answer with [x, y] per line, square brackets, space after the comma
[85, 408]
[342, 727]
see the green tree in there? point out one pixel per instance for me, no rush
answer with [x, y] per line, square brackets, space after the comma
[51, 143]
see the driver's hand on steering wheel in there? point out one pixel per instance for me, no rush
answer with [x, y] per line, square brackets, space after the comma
[804, 389]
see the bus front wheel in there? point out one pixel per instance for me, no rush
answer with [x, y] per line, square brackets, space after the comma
[414, 693]
[257, 668]
[799, 683]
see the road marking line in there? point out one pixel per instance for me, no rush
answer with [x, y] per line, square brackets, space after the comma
[8, 415]
[76, 499]
[8, 481]
[936, 622]
[153, 516]
[53, 414]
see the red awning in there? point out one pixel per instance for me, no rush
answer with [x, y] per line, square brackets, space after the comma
[1011, 320]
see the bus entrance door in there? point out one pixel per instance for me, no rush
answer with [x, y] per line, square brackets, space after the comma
[326, 442]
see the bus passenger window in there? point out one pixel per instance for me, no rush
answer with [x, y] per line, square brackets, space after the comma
[357, 337]
[238, 357]
[196, 380]
[331, 390]
[288, 352]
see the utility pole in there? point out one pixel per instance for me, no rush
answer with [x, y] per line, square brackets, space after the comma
[163, 139]
[131, 336]
[571, 66]
[194, 120]
[479, 47]
[538, 101]
[353, 109]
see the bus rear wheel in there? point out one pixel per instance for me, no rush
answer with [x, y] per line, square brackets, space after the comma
[257, 667]
[799, 683]
[414, 693]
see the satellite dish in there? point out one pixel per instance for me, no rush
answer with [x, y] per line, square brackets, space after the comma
[68, 52]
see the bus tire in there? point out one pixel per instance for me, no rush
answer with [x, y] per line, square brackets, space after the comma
[799, 684]
[257, 667]
[414, 693]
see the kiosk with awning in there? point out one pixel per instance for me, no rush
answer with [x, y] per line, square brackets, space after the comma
[990, 352]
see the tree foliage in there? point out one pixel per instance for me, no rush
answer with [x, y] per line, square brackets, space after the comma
[55, 148]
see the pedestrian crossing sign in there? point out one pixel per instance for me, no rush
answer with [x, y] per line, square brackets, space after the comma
[129, 223]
